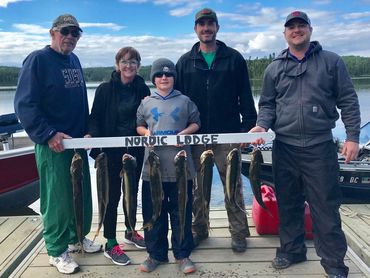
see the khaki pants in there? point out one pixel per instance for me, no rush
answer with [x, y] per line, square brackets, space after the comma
[238, 224]
[56, 198]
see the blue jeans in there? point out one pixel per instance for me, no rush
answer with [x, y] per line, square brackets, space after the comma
[156, 239]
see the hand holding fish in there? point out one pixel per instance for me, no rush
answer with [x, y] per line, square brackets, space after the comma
[56, 142]
[350, 151]
[259, 141]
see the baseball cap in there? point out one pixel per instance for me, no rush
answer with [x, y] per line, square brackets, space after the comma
[297, 14]
[65, 20]
[206, 13]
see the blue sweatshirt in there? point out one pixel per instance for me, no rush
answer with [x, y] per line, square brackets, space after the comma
[51, 95]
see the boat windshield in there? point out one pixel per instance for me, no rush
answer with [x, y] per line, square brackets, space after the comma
[365, 134]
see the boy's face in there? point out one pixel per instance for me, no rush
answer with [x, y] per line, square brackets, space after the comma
[164, 82]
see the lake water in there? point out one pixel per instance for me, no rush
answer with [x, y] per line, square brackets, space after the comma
[217, 196]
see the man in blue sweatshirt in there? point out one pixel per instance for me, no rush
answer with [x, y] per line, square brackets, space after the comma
[51, 103]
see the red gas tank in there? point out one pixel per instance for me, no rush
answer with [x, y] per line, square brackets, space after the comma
[266, 221]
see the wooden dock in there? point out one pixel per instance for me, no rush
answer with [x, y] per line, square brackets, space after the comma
[213, 258]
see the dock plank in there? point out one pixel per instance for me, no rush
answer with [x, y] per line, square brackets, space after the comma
[213, 258]
[23, 233]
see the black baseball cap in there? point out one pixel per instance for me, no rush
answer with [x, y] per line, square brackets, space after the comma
[206, 13]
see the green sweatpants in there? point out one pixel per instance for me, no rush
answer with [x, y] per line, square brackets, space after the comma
[56, 198]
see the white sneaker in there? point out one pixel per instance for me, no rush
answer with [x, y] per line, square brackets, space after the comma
[88, 245]
[64, 263]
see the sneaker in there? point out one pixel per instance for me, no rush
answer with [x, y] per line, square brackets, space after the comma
[117, 255]
[134, 238]
[88, 245]
[335, 276]
[186, 266]
[238, 244]
[149, 265]
[198, 238]
[64, 263]
[280, 263]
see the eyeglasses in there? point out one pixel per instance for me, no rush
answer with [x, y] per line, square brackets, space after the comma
[160, 75]
[129, 62]
[65, 31]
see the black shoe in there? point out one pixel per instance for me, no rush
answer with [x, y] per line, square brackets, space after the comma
[238, 244]
[197, 238]
[335, 276]
[281, 263]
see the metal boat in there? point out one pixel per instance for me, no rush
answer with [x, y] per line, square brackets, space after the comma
[19, 181]
[354, 177]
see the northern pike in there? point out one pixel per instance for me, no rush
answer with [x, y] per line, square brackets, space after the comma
[128, 176]
[102, 184]
[206, 171]
[156, 188]
[255, 176]
[182, 186]
[76, 171]
[232, 175]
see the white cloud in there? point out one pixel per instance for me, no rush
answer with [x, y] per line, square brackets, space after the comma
[31, 28]
[5, 3]
[187, 9]
[112, 26]
[356, 15]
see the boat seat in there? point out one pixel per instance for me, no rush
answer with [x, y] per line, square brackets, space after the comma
[9, 124]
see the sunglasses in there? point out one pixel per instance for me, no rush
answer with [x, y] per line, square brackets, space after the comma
[65, 31]
[160, 75]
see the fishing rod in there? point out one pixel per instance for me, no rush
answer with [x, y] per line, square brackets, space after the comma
[166, 140]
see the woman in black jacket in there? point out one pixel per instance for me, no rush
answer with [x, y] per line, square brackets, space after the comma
[114, 114]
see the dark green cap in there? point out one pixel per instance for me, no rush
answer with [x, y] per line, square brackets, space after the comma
[206, 13]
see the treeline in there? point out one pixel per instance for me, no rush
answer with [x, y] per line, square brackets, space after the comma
[357, 67]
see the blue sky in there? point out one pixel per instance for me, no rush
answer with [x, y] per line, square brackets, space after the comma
[164, 28]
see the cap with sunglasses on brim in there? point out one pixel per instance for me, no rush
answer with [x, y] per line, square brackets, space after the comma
[162, 66]
[206, 13]
[65, 20]
[297, 15]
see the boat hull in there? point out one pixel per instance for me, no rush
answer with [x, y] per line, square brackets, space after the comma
[19, 182]
[354, 179]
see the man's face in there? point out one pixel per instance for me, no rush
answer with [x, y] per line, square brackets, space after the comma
[206, 29]
[64, 40]
[297, 33]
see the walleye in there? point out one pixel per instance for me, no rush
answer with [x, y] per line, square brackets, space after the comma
[206, 171]
[128, 180]
[254, 176]
[182, 186]
[156, 188]
[102, 184]
[232, 175]
[76, 171]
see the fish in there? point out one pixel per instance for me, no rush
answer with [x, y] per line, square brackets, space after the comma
[76, 171]
[206, 170]
[232, 175]
[128, 176]
[102, 184]
[156, 188]
[180, 161]
[255, 176]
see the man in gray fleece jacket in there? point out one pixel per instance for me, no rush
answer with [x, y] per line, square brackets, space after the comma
[302, 89]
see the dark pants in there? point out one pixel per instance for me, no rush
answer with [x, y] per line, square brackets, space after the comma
[115, 187]
[309, 173]
[156, 239]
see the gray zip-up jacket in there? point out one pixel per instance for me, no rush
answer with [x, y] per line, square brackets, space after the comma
[299, 99]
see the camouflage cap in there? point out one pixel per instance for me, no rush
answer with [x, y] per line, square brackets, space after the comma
[65, 20]
[297, 14]
[206, 13]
